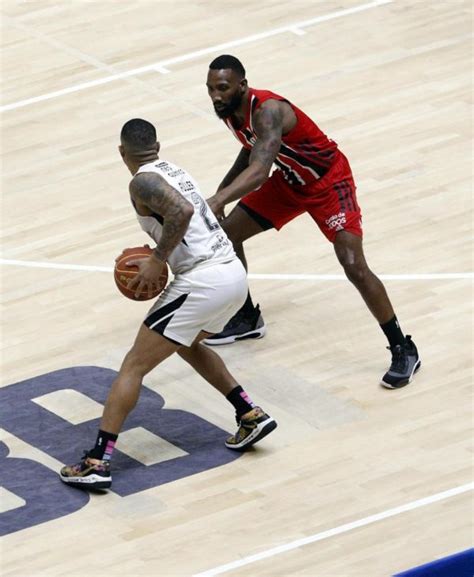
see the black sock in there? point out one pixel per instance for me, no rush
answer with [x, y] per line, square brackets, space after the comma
[248, 307]
[104, 446]
[240, 400]
[393, 332]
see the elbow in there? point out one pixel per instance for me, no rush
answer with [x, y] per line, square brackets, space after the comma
[261, 176]
[188, 213]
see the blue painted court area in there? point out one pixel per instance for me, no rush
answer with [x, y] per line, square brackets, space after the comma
[457, 565]
[41, 495]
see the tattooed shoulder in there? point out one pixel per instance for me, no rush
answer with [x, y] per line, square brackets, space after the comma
[146, 185]
[269, 118]
[152, 190]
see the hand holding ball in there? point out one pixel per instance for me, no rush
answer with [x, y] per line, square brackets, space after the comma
[123, 274]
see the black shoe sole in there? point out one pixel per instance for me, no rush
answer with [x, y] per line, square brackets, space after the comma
[255, 334]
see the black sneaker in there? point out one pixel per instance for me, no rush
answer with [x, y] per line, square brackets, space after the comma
[89, 473]
[255, 425]
[405, 363]
[240, 327]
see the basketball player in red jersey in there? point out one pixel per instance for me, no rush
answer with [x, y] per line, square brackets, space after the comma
[312, 175]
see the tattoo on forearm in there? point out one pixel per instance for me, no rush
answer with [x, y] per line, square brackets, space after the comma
[268, 127]
[155, 193]
[265, 152]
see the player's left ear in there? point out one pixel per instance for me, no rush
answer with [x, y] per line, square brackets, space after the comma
[243, 85]
[122, 151]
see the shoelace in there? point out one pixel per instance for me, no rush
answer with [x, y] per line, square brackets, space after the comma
[399, 359]
[78, 466]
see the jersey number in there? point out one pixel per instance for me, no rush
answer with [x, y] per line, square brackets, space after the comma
[203, 206]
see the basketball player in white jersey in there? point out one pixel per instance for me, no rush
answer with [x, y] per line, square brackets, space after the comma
[209, 286]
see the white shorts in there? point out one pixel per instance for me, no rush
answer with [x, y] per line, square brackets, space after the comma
[203, 299]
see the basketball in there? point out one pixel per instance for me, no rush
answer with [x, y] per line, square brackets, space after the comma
[123, 273]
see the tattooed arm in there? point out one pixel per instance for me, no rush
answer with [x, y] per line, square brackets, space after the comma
[268, 123]
[150, 190]
[151, 193]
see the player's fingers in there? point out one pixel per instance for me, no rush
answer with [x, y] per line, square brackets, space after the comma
[151, 289]
[132, 282]
[141, 286]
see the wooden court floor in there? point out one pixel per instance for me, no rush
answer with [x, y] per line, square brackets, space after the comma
[356, 480]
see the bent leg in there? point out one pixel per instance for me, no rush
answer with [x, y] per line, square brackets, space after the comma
[405, 358]
[209, 365]
[254, 423]
[148, 351]
[239, 226]
[271, 206]
[247, 322]
[93, 471]
[350, 254]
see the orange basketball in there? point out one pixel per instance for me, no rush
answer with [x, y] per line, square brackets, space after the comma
[123, 273]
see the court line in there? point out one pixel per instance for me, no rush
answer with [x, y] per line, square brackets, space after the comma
[162, 65]
[254, 276]
[337, 530]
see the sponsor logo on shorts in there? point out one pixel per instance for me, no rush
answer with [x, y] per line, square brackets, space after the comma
[337, 221]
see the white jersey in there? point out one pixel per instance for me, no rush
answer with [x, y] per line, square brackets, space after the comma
[204, 241]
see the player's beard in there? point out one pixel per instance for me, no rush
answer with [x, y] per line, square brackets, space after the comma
[232, 106]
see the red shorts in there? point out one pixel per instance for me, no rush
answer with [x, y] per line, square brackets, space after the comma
[331, 201]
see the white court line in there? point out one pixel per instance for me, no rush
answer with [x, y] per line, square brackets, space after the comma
[162, 66]
[421, 276]
[337, 530]
[310, 277]
[54, 265]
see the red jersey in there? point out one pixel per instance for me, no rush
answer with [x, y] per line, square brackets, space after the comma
[305, 154]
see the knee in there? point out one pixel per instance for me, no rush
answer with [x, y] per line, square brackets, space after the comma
[357, 273]
[133, 366]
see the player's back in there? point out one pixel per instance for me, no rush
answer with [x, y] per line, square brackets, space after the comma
[205, 242]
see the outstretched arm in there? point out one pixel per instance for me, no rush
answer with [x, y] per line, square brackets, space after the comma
[268, 123]
[240, 164]
[151, 191]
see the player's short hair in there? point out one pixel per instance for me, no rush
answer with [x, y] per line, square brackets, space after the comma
[226, 61]
[138, 134]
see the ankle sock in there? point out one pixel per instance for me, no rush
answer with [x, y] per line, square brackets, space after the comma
[104, 446]
[241, 402]
[393, 332]
[248, 307]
